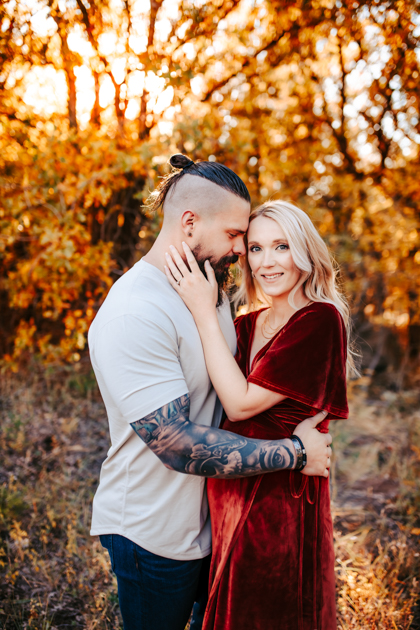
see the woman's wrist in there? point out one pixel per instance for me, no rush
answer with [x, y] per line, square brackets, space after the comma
[208, 322]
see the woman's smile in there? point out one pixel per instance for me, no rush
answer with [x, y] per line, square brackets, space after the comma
[271, 277]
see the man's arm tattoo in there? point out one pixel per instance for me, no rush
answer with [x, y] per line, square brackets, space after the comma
[194, 449]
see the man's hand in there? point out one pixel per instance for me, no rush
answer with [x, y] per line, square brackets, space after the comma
[317, 445]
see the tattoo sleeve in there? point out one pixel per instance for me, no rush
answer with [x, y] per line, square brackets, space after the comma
[193, 449]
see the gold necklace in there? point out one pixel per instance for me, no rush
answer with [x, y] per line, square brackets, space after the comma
[270, 330]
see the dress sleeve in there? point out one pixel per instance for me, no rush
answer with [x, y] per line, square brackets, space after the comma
[243, 325]
[307, 361]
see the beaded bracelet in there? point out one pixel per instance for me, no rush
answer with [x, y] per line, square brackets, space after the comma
[300, 453]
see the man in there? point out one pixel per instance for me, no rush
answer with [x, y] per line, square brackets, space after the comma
[150, 509]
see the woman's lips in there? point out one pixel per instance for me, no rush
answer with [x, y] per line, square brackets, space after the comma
[271, 277]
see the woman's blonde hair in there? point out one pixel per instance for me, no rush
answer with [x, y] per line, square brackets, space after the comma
[310, 256]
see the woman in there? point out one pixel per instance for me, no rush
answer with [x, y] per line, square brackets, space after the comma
[273, 557]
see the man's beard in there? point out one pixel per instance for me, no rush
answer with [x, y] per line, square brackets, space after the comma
[221, 270]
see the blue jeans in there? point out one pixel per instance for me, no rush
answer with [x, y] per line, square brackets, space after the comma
[157, 593]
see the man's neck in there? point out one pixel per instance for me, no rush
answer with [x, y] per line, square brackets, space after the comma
[156, 255]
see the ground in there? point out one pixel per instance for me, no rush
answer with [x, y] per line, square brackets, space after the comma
[53, 438]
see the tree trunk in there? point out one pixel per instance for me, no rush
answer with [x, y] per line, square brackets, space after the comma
[413, 329]
[119, 112]
[68, 66]
[143, 130]
[154, 8]
[414, 342]
[95, 115]
[71, 101]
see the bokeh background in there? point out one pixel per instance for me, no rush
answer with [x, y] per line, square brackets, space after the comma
[313, 101]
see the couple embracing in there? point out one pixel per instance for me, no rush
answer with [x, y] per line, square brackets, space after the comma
[214, 496]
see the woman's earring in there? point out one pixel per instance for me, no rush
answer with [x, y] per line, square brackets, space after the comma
[252, 274]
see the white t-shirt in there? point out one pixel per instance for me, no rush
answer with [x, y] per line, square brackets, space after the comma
[146, 351]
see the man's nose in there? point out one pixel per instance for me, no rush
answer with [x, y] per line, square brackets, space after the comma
[239, 248]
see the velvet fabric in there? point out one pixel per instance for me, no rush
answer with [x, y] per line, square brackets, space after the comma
[273, 559]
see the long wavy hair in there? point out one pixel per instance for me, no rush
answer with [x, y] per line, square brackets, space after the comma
[311, 257]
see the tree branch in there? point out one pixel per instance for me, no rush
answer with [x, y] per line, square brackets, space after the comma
[340, 137]
[93, 42]
[68, 64]
[199, 28]
[154, 8]
[246, 63]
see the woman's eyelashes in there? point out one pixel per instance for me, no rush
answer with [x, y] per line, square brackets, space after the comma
[282, 247]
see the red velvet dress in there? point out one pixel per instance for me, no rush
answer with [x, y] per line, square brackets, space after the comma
[273, 557]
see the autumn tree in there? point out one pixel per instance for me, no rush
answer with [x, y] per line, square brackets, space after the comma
[316, 102]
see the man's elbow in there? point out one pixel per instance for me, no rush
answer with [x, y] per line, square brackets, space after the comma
[171, 463]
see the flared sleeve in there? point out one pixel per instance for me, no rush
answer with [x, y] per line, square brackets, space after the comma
[306, 360]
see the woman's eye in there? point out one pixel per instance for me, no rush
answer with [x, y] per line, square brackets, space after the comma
[283, 247]
[254, 248]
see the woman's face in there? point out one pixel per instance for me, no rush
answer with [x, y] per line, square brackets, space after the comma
[270, 258]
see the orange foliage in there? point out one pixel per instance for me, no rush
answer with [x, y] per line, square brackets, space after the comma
[315, 102]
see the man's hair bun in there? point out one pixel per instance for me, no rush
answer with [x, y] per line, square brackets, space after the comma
[180, 161]
[212, 171]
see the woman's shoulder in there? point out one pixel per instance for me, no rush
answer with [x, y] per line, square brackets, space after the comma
[327, 310]
[322, 316]
[244, 325]
[246, 319]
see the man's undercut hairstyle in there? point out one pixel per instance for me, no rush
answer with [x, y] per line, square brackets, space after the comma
[212, 171]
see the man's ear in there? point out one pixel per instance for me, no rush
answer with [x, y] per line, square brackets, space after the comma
[188, 222]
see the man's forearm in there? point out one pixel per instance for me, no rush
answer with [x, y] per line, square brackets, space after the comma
[193, 449]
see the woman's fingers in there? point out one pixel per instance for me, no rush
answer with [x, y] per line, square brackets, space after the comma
[173, 268]
[190, 258]
[320, 416]
[171, 279]
[211, 277]
[176, 257]
[326, 472]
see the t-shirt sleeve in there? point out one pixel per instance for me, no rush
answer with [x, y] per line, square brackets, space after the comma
[307, 361]
[136, 361]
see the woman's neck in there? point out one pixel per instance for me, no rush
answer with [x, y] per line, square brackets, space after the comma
[282, 310]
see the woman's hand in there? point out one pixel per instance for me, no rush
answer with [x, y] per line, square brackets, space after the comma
[198, 292]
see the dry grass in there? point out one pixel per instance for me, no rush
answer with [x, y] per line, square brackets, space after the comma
[376, 505]
[53, 437]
